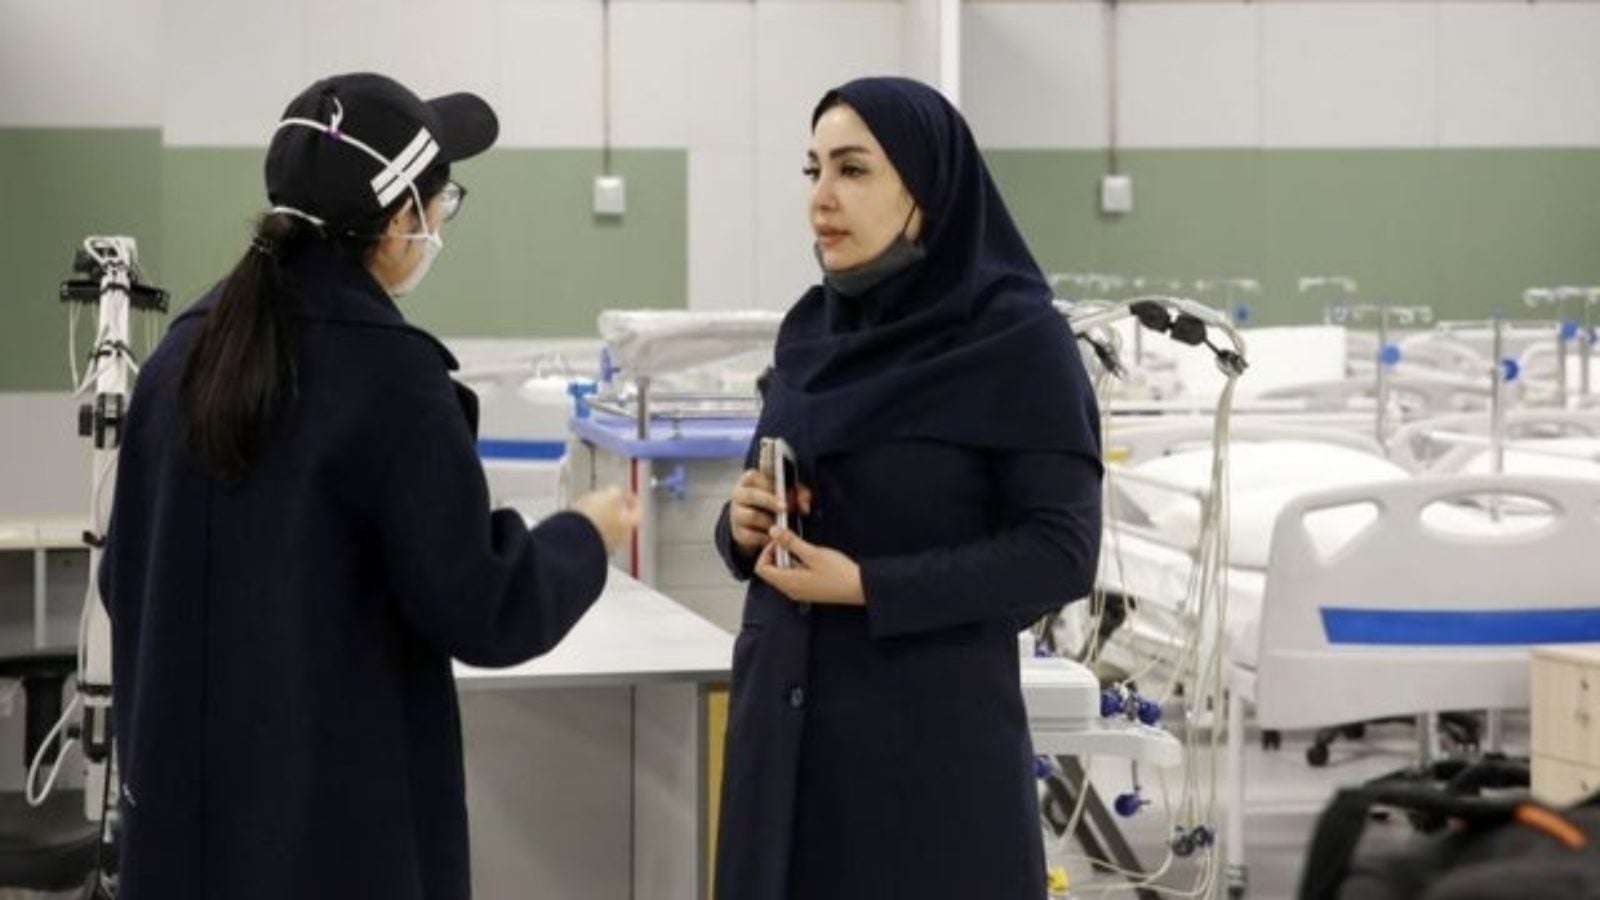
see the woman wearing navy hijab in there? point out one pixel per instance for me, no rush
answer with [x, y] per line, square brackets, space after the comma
[947, 439]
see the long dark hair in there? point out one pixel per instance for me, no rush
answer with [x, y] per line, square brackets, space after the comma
[240, 374]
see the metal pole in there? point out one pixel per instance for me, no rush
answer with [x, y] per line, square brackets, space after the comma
[1381, 377]
[1586, 340]
[644, 409]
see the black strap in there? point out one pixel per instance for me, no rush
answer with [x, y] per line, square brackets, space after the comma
[1339, 828]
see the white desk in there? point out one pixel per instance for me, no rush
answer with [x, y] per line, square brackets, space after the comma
[587, 769]
[633, 635]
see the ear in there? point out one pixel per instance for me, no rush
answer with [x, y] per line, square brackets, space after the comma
[401, 223]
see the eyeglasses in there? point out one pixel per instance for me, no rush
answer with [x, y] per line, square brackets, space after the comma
[451, 197]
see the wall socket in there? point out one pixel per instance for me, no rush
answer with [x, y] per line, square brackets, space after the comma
[1116, 195]
[610, 196]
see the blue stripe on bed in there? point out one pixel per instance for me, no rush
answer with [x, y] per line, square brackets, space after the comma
[501, 449]
[1447, 628]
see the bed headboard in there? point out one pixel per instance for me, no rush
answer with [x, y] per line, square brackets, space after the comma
[1415, 613]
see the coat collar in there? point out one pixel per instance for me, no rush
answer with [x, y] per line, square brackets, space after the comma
[335, 290]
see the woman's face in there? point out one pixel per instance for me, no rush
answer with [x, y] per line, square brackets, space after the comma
[858, 202]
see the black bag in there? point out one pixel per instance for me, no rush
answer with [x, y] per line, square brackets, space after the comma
[1495, 849]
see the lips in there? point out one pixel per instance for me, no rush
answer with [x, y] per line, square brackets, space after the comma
[828, 237]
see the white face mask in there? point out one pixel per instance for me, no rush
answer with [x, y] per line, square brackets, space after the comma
[432, 243]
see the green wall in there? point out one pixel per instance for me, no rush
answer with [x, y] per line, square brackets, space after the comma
[1463, 231]
[526, 258]
[56, 187]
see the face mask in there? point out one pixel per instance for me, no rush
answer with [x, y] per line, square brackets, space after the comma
[857, 280]
[901, 254]
[433, 242]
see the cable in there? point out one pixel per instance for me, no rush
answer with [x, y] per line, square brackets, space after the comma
[37, 800]
[72, 342]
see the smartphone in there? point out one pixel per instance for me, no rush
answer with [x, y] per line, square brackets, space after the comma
[778, 464]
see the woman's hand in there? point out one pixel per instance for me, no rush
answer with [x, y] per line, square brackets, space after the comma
[615, 514]
[753, 508]
[818, 574]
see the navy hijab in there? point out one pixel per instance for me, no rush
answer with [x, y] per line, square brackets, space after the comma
[963, 346]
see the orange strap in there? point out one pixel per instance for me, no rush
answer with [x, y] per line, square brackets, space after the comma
[1552, 824]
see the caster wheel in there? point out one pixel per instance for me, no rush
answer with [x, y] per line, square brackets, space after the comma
[1317, 755]
[1271, 740]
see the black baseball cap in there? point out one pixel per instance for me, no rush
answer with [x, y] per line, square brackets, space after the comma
[316, 165]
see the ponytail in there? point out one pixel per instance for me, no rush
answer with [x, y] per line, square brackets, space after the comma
[240, 372]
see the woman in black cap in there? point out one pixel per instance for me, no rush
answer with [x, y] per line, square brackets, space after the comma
[944, 427]
[301, 539]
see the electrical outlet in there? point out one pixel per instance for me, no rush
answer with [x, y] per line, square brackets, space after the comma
[610, 195]
[1116, 195]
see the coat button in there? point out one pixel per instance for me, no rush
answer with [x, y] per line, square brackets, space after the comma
[797, 697]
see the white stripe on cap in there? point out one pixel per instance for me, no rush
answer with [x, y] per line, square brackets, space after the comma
[399, 174]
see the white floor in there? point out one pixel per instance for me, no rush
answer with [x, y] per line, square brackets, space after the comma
[1283, 798]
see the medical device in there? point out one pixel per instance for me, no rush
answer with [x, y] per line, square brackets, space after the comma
[109, 280]
[1387, 314]
[641, 346]
[1193, 682]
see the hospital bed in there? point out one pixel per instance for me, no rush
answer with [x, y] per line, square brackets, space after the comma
[1153, 518]
[1430, 603]
[1534, 441]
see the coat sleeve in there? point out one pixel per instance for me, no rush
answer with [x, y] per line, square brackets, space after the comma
[1044, 555]
[476, 584]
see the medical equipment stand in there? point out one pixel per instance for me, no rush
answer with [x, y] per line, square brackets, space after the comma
[1385, 313]
[1559, 297]
[1591, 297]
[110, 269]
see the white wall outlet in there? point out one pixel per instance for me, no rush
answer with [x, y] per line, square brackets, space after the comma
[610, 195]
[1116, 195]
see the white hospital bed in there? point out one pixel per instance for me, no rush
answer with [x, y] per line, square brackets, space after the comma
[1536, 442]
[1430, 604]
[1153, 519]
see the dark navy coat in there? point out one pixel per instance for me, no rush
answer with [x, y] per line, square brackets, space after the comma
[286, 714]
[883, 753]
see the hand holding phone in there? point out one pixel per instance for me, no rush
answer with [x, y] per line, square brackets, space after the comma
[778, 464]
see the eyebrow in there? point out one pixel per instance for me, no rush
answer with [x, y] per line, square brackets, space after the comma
[837, 152]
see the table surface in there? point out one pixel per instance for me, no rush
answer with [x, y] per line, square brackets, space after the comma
[632, 635]
[46, 532]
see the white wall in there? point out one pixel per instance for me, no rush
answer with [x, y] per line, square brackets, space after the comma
[70, 63]
[44, 465]
[1385, 73]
